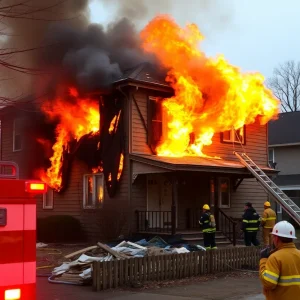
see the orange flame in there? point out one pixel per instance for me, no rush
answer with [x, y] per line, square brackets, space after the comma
[114, 123]
[76, 119]
[121, 164]
[211, 95]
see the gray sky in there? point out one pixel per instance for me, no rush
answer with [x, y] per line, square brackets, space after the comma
[254, 35]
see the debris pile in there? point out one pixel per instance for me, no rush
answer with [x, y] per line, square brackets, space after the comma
[78, 270]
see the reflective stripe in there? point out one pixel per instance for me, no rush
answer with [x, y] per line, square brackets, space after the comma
[245, 221]
[206, 221]
[253, 221]
[270, 276]
[253, 229]
[30, 217]
[209, 230]
[268, 219]
[30, 272]
[289, 280]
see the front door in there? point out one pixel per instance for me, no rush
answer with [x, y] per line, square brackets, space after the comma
[159, 201]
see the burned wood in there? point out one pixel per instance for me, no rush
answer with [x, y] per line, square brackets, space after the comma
[80, 251]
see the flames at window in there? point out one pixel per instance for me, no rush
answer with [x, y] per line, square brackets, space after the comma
[78, 119]
[211, 96]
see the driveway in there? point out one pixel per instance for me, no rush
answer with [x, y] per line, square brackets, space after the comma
[219, 289]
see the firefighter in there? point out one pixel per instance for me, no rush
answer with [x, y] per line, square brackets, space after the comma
[280, 268]
[267, 222]
[208, 223]
[250, 225]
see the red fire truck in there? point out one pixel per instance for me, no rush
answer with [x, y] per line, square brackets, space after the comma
[17, 234]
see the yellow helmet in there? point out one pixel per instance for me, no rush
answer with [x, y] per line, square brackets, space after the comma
[205, 206]
[267, 203]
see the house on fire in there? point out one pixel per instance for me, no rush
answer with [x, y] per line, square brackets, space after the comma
[154, 194]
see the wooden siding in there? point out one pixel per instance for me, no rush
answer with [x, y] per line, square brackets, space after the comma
[256, 136]
[25, 158]
[138, 132]
[95, 222]
[248, 191]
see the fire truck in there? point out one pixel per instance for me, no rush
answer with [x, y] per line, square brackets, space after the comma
[17, 233]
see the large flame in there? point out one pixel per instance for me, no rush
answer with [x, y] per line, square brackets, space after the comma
[76, 119]
[211, 95]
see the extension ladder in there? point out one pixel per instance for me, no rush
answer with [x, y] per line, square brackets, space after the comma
[281, 198]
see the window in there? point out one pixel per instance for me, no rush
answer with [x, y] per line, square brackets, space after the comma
[156, 121]
[234, 136]
[279, 208]
[17, 137]
[271, 156]
[48, 199]
[93, 191]
[224, 192]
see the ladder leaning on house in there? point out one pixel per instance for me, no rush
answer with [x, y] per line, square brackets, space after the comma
[281, 198]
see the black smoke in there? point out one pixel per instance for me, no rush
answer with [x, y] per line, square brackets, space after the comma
[93, 57]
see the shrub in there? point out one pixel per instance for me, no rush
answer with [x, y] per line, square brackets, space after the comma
[59, 229]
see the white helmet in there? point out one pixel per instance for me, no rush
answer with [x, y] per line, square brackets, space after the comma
[284, 229]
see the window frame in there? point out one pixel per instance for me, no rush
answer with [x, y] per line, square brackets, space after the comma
[14, 135]
[232, 133]
[45, 195]
[96, 204]
[220, 192]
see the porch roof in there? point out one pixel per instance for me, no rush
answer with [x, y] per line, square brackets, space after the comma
[159, 164]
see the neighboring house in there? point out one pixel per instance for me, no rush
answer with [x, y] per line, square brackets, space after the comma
[284, 155]
[155, 194]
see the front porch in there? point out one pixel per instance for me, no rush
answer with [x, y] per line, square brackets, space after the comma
[174, 197]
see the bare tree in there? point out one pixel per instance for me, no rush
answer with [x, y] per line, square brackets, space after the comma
[285, 85]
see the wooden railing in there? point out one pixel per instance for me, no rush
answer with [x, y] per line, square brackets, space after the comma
[192, 218]
[227, 226]
[154, 221]
[112, 274]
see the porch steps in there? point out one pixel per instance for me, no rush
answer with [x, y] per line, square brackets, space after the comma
[196, 238]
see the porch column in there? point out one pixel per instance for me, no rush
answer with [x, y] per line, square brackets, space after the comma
[174, 203]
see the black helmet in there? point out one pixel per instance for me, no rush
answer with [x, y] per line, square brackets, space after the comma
[249, 204]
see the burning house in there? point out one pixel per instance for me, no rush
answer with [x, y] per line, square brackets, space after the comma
[138, 132]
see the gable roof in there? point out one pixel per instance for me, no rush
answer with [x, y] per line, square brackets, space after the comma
[284, 130]
[145, 73]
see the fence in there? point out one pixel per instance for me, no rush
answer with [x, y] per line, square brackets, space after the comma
[112, 274]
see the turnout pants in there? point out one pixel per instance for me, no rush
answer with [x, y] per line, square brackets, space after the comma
[250, 238]
[209, 240]
[267, 237]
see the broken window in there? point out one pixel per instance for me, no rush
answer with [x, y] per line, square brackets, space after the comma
[48, 198]
[234, 136]
[93, 190]
[224, 192]
[156, 123]
[17, 136]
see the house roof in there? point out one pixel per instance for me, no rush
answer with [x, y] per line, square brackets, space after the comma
[282, 131]
[288, 180]
[194, 163]
[145, 73]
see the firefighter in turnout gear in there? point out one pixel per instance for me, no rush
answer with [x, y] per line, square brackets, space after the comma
[250, 225]
[280, 268]
[268, 221]
[208, 223]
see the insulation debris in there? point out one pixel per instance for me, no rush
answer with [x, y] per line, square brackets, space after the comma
[78, 269]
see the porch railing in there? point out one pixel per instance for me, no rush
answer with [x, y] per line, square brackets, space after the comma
[227, 226]
[154, 221]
